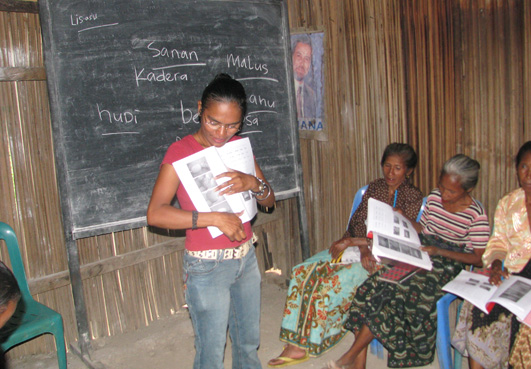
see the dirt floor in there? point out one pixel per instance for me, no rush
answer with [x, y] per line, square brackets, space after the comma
[169, 343]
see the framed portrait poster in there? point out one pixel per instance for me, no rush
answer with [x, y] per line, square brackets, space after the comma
[307, 61]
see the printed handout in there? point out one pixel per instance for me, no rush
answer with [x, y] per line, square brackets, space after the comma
[514, 293]
[394, 237]
[197, 173]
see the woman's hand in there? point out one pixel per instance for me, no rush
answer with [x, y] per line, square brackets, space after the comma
[237, 182]
[367, 260]
[339, 246]
[431, 250]
[496, 273]
[229, 224]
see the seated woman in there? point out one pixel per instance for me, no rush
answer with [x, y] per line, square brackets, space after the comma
[320, 293]
[403, 316]
[486, 339]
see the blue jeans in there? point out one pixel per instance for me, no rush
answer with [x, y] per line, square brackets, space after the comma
[222, 293]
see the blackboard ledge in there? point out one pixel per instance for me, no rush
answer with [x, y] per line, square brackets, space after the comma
[98, 229]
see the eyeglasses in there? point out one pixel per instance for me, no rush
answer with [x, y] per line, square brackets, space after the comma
[228, 127]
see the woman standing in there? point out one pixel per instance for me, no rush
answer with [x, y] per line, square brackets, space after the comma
[487, 338]
[222, 280]
[403, 316]
[320, 293]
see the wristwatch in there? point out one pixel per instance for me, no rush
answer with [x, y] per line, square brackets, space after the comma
[261, 188]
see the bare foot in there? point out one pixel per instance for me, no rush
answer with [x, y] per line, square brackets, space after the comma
[291, 351]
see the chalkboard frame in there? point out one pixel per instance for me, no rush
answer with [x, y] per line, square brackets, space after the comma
[71, 229]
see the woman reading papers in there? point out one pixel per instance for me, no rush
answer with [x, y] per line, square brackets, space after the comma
[487, 338]
[403, 316]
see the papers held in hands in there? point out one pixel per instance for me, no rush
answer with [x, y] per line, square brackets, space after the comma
[514, 293]
[394, 237]
[197, 171]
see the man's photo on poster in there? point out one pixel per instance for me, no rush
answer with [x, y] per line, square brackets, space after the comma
[307, 59]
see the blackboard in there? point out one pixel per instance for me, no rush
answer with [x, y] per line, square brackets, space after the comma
[124, 78]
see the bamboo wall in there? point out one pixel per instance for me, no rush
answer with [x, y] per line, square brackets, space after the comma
[446, 76]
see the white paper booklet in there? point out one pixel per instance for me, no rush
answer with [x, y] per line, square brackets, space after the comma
[351, 255]
[197, 173]
[514, 293]
[394, 237]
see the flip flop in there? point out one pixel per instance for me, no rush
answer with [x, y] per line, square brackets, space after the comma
[286, 361]
[333, 365]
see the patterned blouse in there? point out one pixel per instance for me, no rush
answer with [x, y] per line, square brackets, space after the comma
[408, 199]
[511, 238]
[470, 225]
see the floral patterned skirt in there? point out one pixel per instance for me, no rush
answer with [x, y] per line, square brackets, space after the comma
[319, 296]
[488, 344]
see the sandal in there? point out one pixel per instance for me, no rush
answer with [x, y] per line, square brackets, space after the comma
[286, 361]
[333, 365]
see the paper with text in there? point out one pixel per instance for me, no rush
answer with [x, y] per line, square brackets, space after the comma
[394, 237]
[197, 174]
[514, 293]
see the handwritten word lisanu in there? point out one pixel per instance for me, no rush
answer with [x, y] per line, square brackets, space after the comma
[76, 19]
[246, 62]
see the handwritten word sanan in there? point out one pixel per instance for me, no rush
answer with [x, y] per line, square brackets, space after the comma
[172, 53]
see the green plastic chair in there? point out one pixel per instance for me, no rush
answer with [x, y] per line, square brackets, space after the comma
[31, 318]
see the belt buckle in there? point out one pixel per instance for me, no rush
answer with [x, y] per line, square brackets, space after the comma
[234, 253]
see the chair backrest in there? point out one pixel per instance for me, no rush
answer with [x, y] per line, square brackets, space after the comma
[421, 209]
[8, 235]
[357, 202]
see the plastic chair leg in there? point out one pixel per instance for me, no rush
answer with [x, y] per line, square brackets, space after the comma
[444, 349]
[61, 352]
[377, 348]
[458, 358]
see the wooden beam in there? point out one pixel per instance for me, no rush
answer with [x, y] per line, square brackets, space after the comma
[22, 74]
[91, 270]
[94, 269]
[19, 6]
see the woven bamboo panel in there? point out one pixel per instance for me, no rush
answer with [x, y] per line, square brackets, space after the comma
[464, 66]
[365, 95]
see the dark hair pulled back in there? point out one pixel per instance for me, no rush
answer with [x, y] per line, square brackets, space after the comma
[224, 88]
[405, 151]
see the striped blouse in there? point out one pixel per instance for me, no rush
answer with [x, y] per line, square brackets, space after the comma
[468, 228]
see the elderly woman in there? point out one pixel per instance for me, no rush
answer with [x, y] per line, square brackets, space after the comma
[402, 316]
[486, 339]
[320, 293]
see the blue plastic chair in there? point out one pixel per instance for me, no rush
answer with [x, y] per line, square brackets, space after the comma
[376, 346]
[444, 347]
[31, 318]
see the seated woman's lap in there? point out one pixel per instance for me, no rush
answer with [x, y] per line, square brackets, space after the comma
[319, 296]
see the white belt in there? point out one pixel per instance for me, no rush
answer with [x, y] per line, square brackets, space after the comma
[234, 253]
